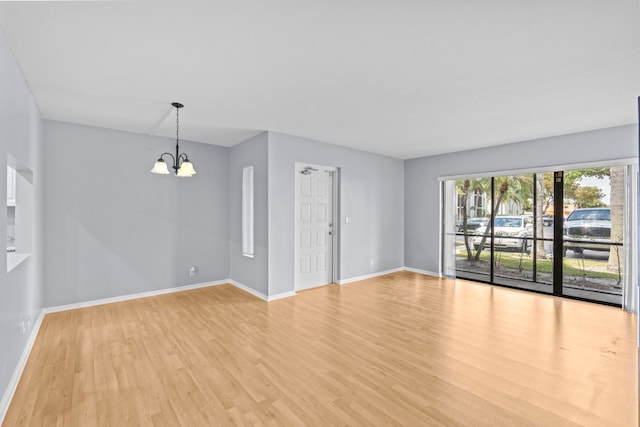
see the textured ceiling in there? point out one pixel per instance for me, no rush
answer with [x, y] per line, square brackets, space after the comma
[400, 78]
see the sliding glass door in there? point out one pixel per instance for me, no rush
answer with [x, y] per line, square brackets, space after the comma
[565, 233]
[500, 237]
[593, 233]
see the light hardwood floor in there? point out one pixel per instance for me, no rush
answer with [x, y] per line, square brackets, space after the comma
[401, 349]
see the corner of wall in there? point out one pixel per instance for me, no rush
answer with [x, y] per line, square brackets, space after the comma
[22, 141]
[250, 272]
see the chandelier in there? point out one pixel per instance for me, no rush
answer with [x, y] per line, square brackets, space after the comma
[181, 164]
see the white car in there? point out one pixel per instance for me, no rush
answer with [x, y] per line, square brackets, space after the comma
[510, 232]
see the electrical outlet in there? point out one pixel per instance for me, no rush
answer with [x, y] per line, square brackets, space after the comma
[371, 262]
[192, 270]
[25, 324]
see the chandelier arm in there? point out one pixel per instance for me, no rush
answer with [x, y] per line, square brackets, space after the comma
[182, 157]
[169, 154]
[175, 163]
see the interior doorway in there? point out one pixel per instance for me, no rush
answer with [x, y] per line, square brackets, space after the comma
[315, 225]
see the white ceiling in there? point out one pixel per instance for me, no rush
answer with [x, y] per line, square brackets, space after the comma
[404, 78]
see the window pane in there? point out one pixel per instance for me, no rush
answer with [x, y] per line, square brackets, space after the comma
[593, 262]
[543, 247]
[449, 242]
[472, 220]
[247, 211]
[516, 232]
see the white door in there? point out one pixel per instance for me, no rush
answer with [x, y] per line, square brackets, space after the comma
[314, 226]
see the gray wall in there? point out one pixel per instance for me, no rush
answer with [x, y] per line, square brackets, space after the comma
[251, 272]
[372, 189]
[113, 228]
[21, 142]
[422, 191]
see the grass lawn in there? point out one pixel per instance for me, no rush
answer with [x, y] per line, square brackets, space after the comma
[571, 267]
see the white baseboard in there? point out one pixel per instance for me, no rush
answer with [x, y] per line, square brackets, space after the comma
[102, 301]
[281, 296]
[260, 294]
[239, 285]
[249, 290]
[17, 373]
[426, 272]
[370, 276]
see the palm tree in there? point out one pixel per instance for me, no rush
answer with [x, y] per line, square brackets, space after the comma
[502, 190]
[470, 187]
[541, 207]
[616, 258]
[465, 197]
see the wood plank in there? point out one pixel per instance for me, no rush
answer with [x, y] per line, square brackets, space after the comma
[401, 349]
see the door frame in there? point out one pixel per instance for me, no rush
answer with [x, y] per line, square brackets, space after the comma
[335, 216]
